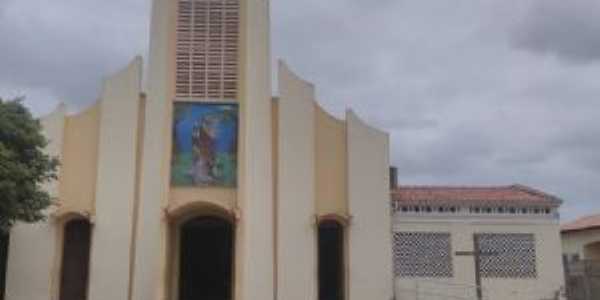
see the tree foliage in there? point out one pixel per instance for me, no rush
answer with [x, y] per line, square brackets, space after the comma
[24, 167]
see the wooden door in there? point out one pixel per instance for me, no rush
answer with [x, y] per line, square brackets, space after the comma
[75, 260]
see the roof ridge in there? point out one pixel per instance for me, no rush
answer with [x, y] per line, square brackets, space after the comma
[455, 186]
[582, 218]
[587, 222]
[536, 192]
[514, 193]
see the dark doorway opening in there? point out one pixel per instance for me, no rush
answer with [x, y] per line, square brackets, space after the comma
[75, 260]
[331, 261]
[4, 240]
[206, 259]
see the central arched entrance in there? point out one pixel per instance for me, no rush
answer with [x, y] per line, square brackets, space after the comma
[206, 259]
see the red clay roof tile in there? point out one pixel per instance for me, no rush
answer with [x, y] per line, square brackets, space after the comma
[584, 223]
[513, 194]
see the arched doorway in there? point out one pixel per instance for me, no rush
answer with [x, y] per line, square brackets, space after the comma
[206, 254]
[75, 260]
[331, 261]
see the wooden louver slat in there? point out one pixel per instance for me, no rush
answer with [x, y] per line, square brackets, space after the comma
[207, 49]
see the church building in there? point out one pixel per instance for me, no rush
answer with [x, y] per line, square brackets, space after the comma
[187, 179]
[203, 186]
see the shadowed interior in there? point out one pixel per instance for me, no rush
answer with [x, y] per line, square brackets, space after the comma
[4, 239]
[206, 256]
[331, 261]
[75, 260]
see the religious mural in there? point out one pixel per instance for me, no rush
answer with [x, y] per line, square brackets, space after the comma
[204, 144]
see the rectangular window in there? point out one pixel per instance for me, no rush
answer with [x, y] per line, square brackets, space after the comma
[507, 255]
[422, 254]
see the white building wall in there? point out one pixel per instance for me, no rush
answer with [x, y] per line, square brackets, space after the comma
[32, 249]
[462, 285]
[297, 257]
[575, 242]
[116, 184]
[369, 234]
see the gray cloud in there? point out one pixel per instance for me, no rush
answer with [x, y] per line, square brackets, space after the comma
[568, 29]
[462, 103]
[449, 80]
[66, 47]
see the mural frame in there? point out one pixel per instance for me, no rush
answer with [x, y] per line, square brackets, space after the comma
[204, 144]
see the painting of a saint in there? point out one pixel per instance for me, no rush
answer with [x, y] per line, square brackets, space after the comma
[204, 144]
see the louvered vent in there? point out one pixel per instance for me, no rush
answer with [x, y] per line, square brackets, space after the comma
[207, 49]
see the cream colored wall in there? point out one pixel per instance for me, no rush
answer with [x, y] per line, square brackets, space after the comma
[149, 278]
[31, 259]
[136, 205]
[575, 242]
[115, 192]
[330, 164]
[255, 242]
[275, 168]
[297, 257]
[370, 257]
[79, 162]
[255, 168]
[252, 202]
[221, 197]
[549, 263]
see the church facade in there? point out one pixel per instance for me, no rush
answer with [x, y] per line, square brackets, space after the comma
[199, 184]
[204, 186]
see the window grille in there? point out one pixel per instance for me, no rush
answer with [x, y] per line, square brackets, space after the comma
[422, 254]
[507, 255]
[207, 49]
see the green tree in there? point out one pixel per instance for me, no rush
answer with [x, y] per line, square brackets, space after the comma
[24, 167]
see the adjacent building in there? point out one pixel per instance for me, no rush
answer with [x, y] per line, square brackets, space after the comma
[581, 254]
[581, 239]
[449, 240]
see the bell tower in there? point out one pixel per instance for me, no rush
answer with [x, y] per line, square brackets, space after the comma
[206, 159]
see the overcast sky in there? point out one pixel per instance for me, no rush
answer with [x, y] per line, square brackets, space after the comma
[472, 92]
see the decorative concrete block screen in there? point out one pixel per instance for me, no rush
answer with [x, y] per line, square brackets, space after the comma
[207, 49]
[422, 254]
[507, 255]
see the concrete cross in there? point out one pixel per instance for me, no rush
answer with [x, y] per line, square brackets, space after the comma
[477, 254]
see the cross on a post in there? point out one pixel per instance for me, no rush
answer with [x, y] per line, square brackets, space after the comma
[477, 254]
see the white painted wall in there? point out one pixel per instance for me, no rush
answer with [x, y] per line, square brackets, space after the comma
[31, 254]
[370, 249]
[297, 257]
[115, 188]
[575, 242]
[462, 284]
[31, 261]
